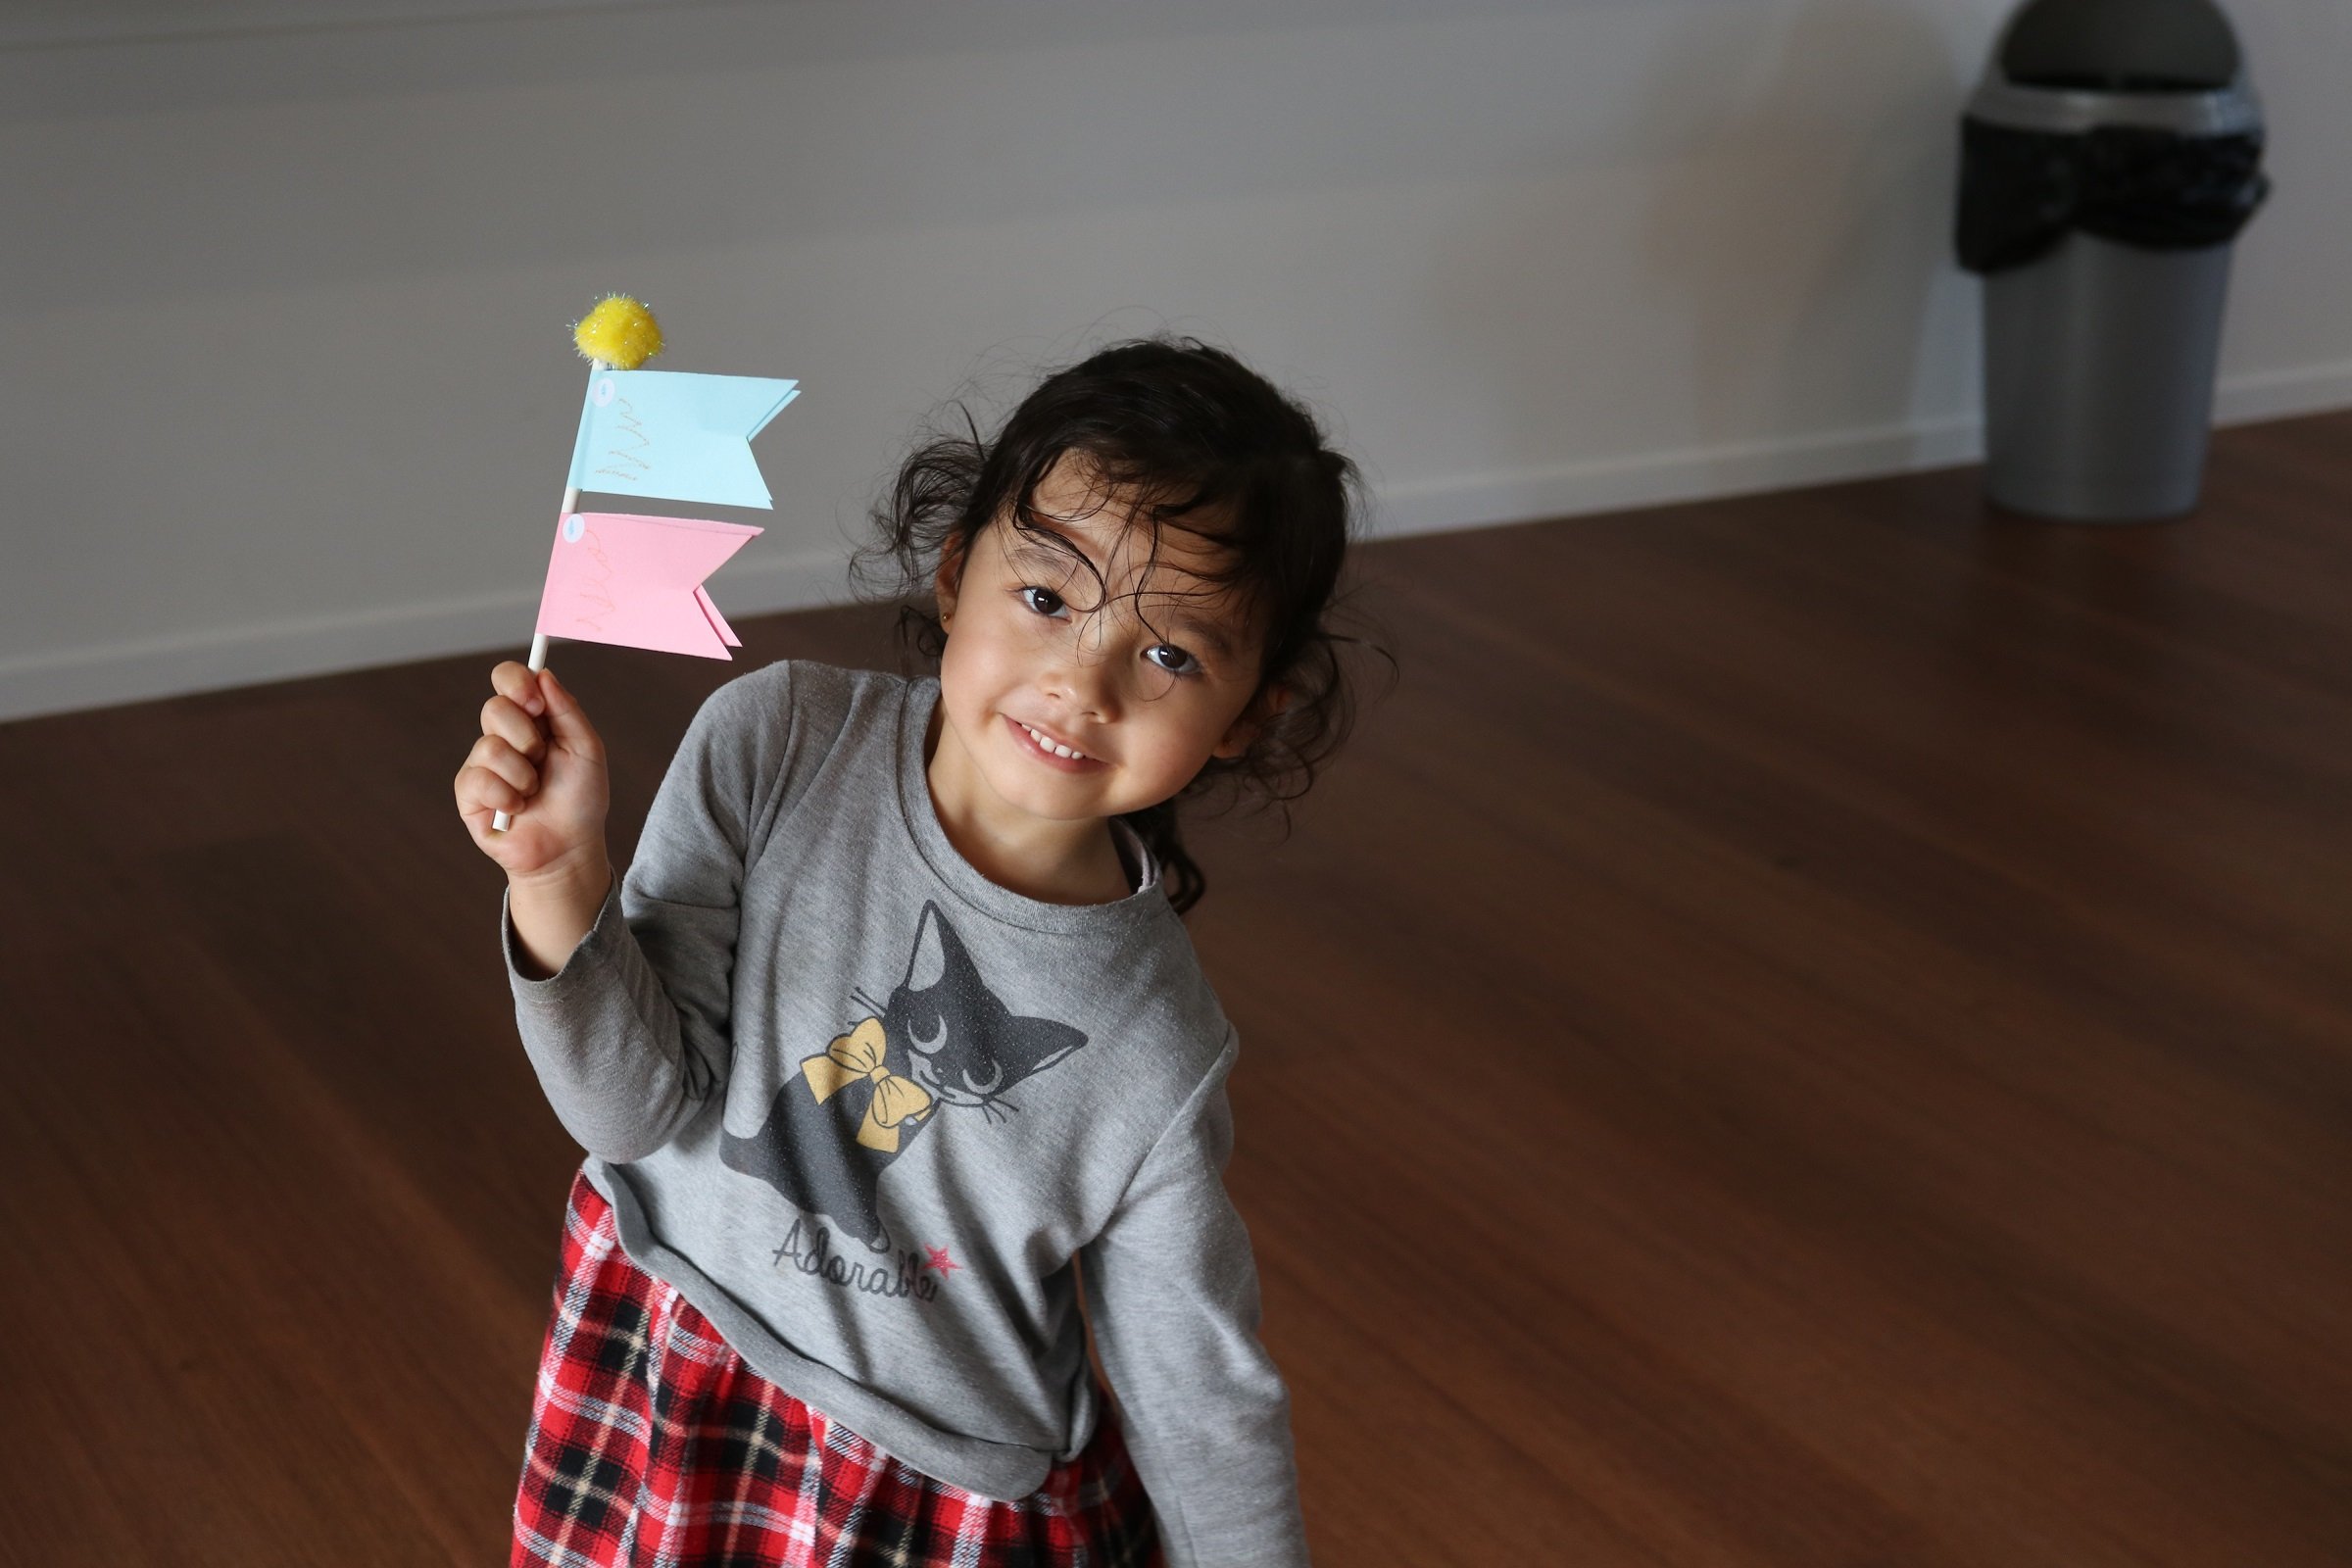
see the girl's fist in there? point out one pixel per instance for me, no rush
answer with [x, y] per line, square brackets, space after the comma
[542, 762]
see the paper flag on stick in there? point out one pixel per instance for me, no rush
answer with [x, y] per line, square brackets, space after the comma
[637, 582]
[718, 622]
[675, 436]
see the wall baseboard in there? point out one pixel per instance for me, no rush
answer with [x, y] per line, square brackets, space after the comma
[2282, 394]
[147, 669]
[1744, 468]
[498, 625]
[1686, 473]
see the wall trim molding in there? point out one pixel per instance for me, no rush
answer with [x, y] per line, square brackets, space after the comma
[1744, 468]
[1684, 474]
[2282, 394]
[105, 674]
[299, 647]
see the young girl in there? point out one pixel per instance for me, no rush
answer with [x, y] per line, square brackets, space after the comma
[890, 1049]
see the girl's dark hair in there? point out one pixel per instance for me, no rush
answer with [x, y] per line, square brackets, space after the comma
[1192, 439]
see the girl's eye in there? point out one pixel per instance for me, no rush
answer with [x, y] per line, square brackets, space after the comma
[1045, 600]
[1172, 659]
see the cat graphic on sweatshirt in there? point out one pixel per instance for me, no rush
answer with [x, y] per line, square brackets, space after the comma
[943, 1043]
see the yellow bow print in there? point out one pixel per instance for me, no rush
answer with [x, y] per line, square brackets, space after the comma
[858, 1054]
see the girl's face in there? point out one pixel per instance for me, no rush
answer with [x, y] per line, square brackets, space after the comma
[1142, 676]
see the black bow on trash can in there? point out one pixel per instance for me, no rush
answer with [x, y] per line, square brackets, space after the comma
[2021, 191]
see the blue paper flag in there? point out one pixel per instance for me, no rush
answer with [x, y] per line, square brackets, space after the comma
[677, 435]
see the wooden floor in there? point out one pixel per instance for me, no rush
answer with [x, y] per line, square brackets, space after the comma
[1809, 1030]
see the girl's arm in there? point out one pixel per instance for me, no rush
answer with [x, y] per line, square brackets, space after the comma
[631, 1033]
[553, 913]
[1172, 1296]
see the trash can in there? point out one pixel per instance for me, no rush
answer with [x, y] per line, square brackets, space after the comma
[2108, 160]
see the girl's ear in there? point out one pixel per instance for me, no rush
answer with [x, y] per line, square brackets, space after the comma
[947, 581]
[1263, 708]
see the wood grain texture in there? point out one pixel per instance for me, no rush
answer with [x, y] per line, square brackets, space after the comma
[1808, 1029]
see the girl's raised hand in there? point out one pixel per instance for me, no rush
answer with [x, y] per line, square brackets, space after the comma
[542, 762]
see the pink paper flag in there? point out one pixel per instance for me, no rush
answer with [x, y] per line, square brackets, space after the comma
[718, 622]
[637, 582]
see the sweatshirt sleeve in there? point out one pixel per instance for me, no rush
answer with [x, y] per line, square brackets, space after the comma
[1172, 1294]
[631, 1036]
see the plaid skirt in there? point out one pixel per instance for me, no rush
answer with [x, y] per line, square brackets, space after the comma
[652, 1444]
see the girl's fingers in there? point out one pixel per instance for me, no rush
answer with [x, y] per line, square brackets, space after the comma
[544, 707]
[533, 728]
[517, 774]
[502, 762]
[515, 683]
[482, 792]
[567, 722]
[503, 718]
[481, 786]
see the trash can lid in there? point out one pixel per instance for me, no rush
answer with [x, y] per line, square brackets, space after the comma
[2120, 46]
[2072, 66]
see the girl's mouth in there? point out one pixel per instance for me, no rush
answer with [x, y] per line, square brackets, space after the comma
[1048, 751]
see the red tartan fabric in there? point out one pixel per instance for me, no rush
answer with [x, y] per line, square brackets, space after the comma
[652, 1443]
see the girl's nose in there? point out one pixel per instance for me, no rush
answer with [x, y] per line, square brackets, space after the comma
[1085, 687]
[1087, 673]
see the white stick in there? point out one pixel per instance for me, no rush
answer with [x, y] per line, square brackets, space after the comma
[572, 499]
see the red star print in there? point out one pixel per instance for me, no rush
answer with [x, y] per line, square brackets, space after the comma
[940, 1259]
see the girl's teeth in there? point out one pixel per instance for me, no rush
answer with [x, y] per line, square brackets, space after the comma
[1058, 751]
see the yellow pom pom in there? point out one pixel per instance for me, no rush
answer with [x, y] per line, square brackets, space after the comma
[619, 331]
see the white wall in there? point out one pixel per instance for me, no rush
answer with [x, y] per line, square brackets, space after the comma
[288, 390]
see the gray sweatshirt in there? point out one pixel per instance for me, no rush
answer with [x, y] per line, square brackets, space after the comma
[878, 1117]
